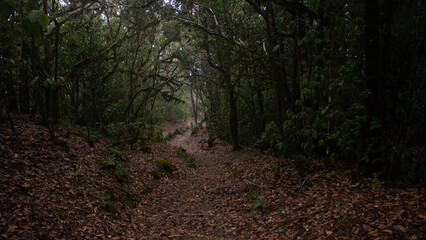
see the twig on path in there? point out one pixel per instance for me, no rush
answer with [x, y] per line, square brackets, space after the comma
[303, 183]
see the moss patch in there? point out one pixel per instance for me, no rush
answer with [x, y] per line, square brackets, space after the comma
[113, 200]
[164, 167]
[189, 160]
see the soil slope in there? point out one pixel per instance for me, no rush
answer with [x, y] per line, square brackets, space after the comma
[65, 189]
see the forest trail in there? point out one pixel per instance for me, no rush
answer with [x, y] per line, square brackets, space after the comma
[202, 202]
[248, 195]
[70, 190]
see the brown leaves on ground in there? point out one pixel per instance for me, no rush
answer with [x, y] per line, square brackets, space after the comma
[60, 190]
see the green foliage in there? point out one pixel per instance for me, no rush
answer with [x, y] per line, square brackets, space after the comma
[113, 200]
[7, 7]
[331, 174]
[116, 166]
[164, 167]
[130, 132]
[157, 136]
[80, 171]
[92, 135]
[374, 181]
[248, 187]
[259, 202]
[194, 128]
[189, 160]
[270, 139]
[169, 111]
[169, 136]
[116, 152]
[35, 23]
[100, 196]
[105, 199]
[275, 167]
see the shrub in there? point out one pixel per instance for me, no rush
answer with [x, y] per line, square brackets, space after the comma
[105, 199]
[92, 135]
[270, 139]
[194, 128]
[164, 167]
[113, 199]
[125, 131]
[259, 202]
[189, 160]
[115, 166]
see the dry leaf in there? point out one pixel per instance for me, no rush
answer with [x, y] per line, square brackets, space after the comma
[373, 232]
[12, 228]
[400, 228]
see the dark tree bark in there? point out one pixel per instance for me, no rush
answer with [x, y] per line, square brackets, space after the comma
[194, 107]
[259, 96]
[372, 55]
[51, 92]
[6, 79]
[24, 88]
[278, 81]
[372, 78]
[233, 116]
[296, 63]
[278, 75]
[11, 95]
[9, 117]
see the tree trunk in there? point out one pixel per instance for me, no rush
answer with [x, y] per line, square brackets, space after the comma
[233, 117]
[6, 78]
[279, 83]
[9, 117]
[24, 86]
[194, 107]
[296, 66]
[261, 110]
[373, 75]
[372, 55]
[12, 100]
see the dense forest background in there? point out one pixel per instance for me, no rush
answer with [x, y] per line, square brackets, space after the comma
[339, 81]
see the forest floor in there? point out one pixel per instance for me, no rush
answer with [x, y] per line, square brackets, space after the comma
[67, 189]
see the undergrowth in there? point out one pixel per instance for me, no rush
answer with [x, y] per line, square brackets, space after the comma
[164, 168]
[259, 202]
[114, 200]
[115, 164]
[194, 128]
[189, 160]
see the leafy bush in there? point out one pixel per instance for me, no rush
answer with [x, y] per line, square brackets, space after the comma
[194, 128]
[157, 136]
[169, 136]
[115, 166]
[164, 167]
[116, 152]
[169, 111]
[190, 161]
[118, 168]
[113, 199]
[259, 202]
[105, 199]
[125, 131]
[270, 139]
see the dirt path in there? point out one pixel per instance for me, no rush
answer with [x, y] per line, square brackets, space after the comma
[198, 202]
[215, 200]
